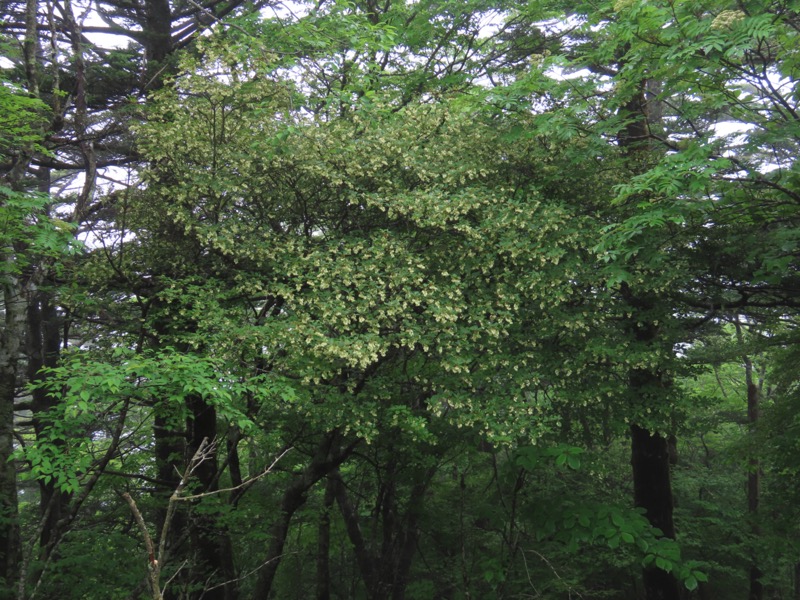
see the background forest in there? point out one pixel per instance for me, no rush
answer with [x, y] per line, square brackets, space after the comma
[399, 299]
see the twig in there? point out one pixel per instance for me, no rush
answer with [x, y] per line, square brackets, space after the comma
[174, 575]
[28, 556]
[249, 482]
[202, 454]
[545, 560]
[246, 575]
[157, 557]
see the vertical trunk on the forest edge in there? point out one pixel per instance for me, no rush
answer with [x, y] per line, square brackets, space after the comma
[10, 342]
[653, 492]
[650, 456]
[43, 347]
[324, 543]
[753, 477]
[650, 459]
[213, 570]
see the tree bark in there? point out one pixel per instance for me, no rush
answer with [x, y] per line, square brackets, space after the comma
[408, 545]
[11, 339]
[753, 478]
[43, 349]
[385, 575]
[158, 41]
[10, 343]
[364, 559]
[169, 452]
[653, 492]
[324, 543]
[211, 545]
[650, 452]
[753, 384]
[328, 456]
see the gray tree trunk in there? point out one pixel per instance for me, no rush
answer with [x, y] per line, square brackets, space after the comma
[14, 306]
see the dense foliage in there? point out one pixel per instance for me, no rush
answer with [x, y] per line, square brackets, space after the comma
[403, 300]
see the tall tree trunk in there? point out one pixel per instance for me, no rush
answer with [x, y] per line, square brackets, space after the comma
[364, 558]
[169, 452]
[753, 477]
[158, 41]
[650, 451]
[30, 47]
[43, 349]
[385, 561]
[754, 385]
[385, 574]
[650, 455]
[650, 461]
[14, 292]
[10, 344]
[211, 545]
[328, 456]
[410, 536]
[653, 492]
[324, 543]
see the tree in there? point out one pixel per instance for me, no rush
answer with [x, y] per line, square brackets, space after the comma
[29, 235]
[398, 239]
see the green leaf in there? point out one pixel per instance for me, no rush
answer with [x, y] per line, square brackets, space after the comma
[664, 564]
[627, 537]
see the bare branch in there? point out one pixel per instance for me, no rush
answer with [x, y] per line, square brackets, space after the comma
[154, 568]
[244, 484]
